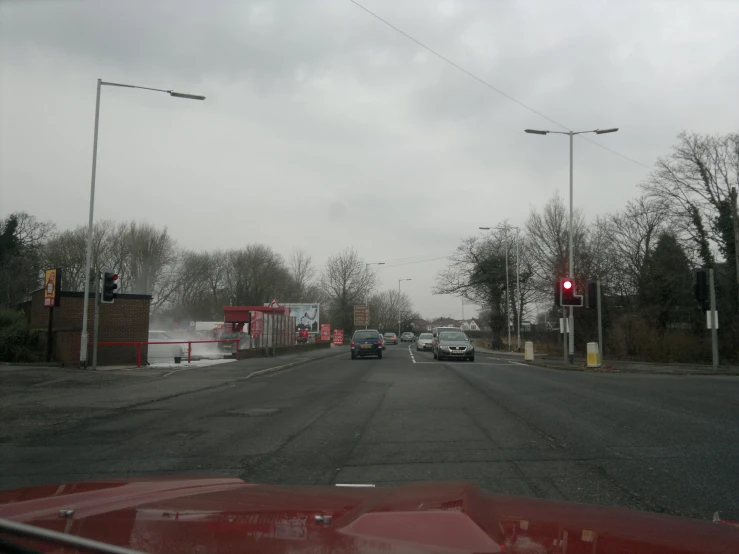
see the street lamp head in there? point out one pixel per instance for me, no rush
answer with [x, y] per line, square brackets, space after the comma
[604, 131]
[536, 132]
[184, 95]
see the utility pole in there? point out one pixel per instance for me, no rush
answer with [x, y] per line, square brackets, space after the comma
[735, 223]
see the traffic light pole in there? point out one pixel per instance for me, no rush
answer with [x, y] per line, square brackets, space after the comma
[564, 334]
[600, 323]
[571, 334]
[714, 331]
[96, 324]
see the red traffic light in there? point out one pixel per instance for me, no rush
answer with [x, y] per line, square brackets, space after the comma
[567, 285]
[115, 277]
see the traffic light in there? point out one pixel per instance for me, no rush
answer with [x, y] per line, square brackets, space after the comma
[700, 287]
[110, 286]
[591, 295]
[567, 296]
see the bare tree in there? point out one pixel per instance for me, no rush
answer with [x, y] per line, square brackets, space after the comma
[476, 272]
[20, 258]
[631, 236]
[547, 244]
[254, 275]
[386, 306]
[346, 280]
[696, 181]
[147, 253]
[302, 271]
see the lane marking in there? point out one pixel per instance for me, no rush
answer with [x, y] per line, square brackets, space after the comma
[411, 353]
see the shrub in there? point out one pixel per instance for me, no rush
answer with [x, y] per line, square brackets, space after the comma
[16, 341]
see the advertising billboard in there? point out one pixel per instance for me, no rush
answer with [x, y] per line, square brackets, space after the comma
[52, 286]
[306, 316]
[326, 331]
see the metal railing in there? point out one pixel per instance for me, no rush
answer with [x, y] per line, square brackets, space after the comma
[189, 344]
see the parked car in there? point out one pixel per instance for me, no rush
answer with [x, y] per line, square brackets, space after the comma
[424, 341]
[391, 338]
[407, 337]
[164, 352]
[366, 342]
[454, 345]
[228, 346]
[435, 332]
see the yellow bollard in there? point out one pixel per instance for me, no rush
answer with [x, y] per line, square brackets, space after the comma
[593, 355]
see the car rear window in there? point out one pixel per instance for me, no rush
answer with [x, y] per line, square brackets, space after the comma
[365, 335]
[425, 336]
[389, 335]
[452, 335]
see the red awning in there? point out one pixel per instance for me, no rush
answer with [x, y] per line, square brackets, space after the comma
[240, 314]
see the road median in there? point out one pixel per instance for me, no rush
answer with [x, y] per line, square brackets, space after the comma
[618, 366]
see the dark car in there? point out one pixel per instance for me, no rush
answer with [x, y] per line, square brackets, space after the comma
[228, 346]
[391, 338]
[407, 337]
[366, 342]
[454, 345]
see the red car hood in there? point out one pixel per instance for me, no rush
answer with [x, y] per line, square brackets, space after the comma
[207, 516]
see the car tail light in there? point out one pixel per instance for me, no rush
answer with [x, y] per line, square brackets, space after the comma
[379, 342]
[352, 344]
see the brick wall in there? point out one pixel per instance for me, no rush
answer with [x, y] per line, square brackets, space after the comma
[127, 319]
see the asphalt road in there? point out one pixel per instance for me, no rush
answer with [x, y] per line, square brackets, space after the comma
[661, 443]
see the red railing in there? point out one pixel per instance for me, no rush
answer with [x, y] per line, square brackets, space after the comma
[138, 344]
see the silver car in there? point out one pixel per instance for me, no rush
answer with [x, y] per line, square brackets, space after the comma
[454, 345]
[424, 341]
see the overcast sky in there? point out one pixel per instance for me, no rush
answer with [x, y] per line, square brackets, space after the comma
[324, 128]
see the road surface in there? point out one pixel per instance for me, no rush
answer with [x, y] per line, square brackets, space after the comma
[661, 443]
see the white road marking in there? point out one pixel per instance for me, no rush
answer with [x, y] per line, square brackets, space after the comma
[411, 353]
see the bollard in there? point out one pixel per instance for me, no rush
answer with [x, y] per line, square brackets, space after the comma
[528, 351]
[593, 355]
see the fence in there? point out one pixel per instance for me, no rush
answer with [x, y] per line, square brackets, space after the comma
[189, 343]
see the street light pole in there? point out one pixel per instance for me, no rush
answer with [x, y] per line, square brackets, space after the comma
[571, 273]
[518, 296]
[399, 281]
[88, 253]
[366, 298]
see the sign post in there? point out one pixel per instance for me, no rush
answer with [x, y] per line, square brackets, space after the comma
[52, 288]
[326, 331]
[338, 336]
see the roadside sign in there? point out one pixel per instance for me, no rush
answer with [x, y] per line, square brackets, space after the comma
[338, 336]
[326, 331]
[361, 315]
[52, 285]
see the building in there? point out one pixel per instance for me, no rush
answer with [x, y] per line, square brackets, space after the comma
[420, 325]
[124, 321]
[469, 325]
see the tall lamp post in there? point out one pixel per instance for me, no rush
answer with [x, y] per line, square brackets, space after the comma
[570, 271]
[366, 299]
[518, 283]
[399, 281]
[88, 255]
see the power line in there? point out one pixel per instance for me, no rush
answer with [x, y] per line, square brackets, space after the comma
[485, 83]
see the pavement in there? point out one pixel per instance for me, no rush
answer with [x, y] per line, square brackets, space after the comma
[663, 443]
[616, 366]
